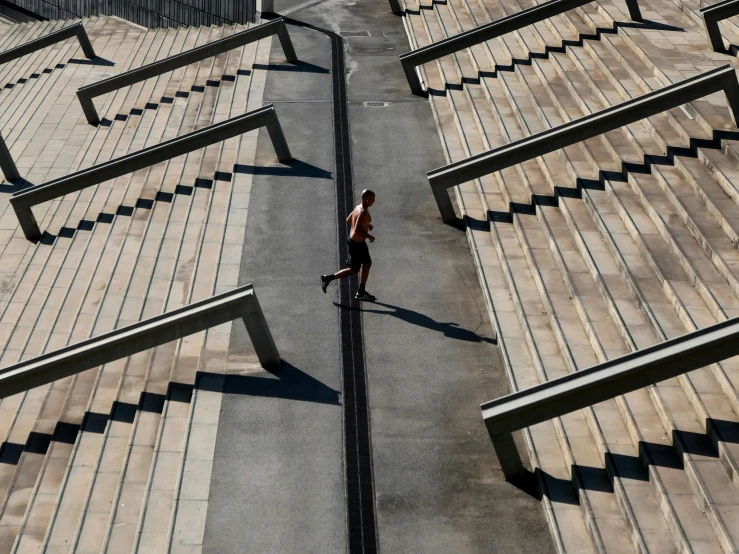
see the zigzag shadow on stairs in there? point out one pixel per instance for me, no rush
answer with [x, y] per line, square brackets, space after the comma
[106, 122]
[289, 383]
[23, 80]
[294, 168]
[644, 168]
[626, 467]
[561, 49]
[92, 422]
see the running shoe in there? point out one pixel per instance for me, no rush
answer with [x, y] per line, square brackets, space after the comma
[364, 296]
[324, 282]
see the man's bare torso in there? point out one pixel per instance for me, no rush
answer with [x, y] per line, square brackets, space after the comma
[360, 219]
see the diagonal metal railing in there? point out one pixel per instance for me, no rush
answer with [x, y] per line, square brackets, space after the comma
[719, 79]
[238, 303]
[76, 30]
[602, 382]
[489, 31]
[277, 26]
[712, 15]
[22, 201]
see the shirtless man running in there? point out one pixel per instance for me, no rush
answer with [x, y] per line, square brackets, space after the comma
[361, 224]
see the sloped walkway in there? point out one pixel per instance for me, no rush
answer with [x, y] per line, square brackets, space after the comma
[278, 476]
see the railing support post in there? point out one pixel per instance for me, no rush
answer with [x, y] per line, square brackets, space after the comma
[411, 74]
[278, 138]
[732, 98]
[508, 457]
[6, 162]
[395, 7]
[287, 43]
[714, 33]
[444, 202]
[260, 335]
[85, 43]
[712, 15]
[88, 108]
[634, 11]
[27, 221]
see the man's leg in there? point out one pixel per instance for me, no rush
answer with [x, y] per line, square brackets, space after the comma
[326, 279]
[345, 273]
[362, 294]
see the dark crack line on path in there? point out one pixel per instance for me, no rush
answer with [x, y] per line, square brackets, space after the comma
[358, 465]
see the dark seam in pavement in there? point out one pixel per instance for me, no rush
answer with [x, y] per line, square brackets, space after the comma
[360, 489]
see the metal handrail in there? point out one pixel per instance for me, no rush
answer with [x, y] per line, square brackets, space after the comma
[602, 382]
[712, 15]
[489, 31]
[719, 79]
[241, 302]
[77, 30]
[23, 200]
[276, 26]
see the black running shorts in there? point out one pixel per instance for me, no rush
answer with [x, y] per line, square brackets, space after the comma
[358, 254]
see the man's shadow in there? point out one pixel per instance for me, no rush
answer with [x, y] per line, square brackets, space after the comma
[449, 329]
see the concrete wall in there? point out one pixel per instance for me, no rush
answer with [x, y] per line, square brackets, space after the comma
[148, 13]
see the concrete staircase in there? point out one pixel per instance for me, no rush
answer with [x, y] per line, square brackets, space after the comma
[95, 462]
[602, 248]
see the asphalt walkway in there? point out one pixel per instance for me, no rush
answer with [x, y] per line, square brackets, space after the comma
[279, 480]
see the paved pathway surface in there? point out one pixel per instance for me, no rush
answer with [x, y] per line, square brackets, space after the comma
[278, 476]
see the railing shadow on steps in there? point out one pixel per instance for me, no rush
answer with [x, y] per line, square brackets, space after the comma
[294, 168]
[712, 15]
[76, 30]
[720, 79]
[602, 382]
[46, 71]
[291, 383]
[559, 49]
[489, 31]
[87, 93]
[240, 302]
[540, 483]
[23, 200]
[298, 67]
[581, 183]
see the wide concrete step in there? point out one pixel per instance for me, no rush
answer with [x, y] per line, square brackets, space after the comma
[570, 528]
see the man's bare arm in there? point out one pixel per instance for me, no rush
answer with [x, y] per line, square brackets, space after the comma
[364, 224]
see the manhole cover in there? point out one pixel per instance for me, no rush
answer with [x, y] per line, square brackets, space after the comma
[354, 33]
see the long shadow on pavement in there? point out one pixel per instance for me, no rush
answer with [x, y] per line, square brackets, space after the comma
[449, 329]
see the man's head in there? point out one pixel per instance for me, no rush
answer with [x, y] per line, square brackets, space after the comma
[368, 198]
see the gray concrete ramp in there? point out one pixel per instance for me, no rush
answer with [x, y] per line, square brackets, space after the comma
[279, 476]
